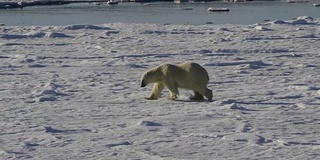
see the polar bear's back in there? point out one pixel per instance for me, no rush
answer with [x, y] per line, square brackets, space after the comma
[186, 75]
[193, 69]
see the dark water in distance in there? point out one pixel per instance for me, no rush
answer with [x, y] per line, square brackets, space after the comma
[158, 12]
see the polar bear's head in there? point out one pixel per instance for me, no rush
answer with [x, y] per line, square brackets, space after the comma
[150, 76]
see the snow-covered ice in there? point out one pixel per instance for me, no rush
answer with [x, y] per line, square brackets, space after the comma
[72, 92]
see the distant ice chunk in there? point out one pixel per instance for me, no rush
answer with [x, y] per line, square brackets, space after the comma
[299, 21]
[223, 29]
[149, 123]
[302, 20]
[57, 35]
[261, 28]
[305, 18]
[84, 26]
[35, 34]
[278, 22]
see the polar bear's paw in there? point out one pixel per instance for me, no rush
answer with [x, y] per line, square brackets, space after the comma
[150, 98]
[172, 97]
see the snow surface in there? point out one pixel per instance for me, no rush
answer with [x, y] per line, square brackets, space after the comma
[73, 92]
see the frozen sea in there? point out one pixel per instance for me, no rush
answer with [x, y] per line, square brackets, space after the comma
[72, 91]
[159, 12]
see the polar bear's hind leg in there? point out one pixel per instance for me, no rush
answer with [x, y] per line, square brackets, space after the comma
[207, 93]
[197, 96]
[174, 92]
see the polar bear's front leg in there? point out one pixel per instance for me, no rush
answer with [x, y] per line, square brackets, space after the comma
[174, 92]
[156, 91]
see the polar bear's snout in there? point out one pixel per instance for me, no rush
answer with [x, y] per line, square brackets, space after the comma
[143, 84]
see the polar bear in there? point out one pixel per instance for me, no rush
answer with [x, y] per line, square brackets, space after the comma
[187, 75]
